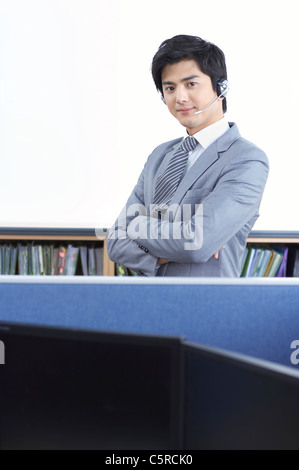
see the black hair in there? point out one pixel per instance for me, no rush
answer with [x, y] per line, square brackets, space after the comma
[209, 58]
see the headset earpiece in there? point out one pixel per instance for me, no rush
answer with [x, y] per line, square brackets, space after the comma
[222, 87]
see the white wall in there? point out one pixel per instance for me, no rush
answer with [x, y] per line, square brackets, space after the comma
[76, 88]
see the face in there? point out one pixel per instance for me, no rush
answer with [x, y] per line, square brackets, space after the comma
[187, 89]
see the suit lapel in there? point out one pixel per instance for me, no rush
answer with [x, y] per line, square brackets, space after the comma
[208, 158]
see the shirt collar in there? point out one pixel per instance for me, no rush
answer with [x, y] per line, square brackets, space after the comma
[209, 134]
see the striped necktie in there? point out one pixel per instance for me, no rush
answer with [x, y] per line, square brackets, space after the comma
[168, 181]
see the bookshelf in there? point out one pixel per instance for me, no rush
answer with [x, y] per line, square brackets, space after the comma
[63, 236]
[77, 235]
[273, 239]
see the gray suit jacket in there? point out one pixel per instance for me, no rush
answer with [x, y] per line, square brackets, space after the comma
[216, 204]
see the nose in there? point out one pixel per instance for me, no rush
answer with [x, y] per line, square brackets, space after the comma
[182, 95]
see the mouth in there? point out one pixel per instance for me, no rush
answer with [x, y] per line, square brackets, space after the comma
[184, 110]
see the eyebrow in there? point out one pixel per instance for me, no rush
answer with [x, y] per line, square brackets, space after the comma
[166, 82]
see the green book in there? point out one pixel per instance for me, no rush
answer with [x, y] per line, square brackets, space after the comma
[46, 253]
[244, 258]
[269, 264]
[23, 259]
[13, 260]
[276, 262]
[255, 261]
[121, 270]
[248, 261]
[258, 261]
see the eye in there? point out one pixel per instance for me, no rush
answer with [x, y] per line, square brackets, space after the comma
[169, 89]
[191, 84]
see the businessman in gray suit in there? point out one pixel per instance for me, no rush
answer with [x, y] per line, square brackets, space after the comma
[198, 196]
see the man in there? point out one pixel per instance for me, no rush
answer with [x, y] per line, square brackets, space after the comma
[197, 198]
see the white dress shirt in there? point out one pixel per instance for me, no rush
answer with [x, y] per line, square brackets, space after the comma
[206, 137]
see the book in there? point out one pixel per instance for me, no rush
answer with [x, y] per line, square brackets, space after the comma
[264, 262]
[99, 261]
[296, 264]
[255, 262]
[13, 260]
[91, 261]
[61, 260]
[72, 253]
[23, 260]
[121, 270]
[244, 258]
[34, 260]
[46, 253]
[276, 262]
[282, 271]
[55, 261]
[83, 258]
[7, 253]
[269, 263]
[248, 262]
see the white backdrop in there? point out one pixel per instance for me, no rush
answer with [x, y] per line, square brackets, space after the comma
[76, 89]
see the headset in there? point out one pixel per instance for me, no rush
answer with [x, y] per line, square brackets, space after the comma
[222, 89]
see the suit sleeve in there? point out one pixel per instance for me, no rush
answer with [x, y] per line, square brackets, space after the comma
[234, 200]
[120, 247]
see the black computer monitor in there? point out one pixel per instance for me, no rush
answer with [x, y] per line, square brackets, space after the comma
[79, 389]
[238, 402]
[76, 389]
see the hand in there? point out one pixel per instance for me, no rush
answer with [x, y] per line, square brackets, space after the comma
[216, 255]
[162, 261]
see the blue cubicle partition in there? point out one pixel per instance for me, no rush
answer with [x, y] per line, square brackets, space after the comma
[256, 317]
